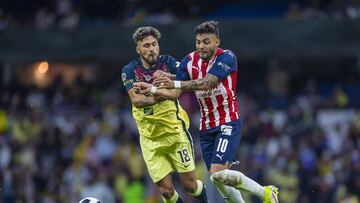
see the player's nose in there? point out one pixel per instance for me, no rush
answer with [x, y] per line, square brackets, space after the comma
[152, 48]
[201, 46]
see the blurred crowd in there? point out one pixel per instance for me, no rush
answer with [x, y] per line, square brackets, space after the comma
[64, 142]
[316, 9]
[68, 14]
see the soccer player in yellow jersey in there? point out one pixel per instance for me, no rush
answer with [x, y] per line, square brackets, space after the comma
[163, 124]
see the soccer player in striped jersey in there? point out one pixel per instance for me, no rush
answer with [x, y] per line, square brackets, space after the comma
[212, 72]
[163, 125]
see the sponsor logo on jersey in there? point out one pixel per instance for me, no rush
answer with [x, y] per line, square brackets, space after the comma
[226, 129]
[208, 93]
[223, 66]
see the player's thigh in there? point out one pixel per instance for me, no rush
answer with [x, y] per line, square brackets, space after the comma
[226, 143]
[207, 142]
[182, 155]
[157, 162]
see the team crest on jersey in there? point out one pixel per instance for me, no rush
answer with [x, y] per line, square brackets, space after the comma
[123, 76]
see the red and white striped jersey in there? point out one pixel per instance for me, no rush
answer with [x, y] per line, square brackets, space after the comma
[218, 105]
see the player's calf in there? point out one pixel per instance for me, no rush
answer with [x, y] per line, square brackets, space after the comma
[229, 177]
[229, 194]
[239, 181]
[190, 185]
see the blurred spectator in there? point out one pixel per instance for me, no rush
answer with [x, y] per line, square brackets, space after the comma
[314, 10]
[44, 18]
[70, 13]
[337, 9]
[3, 21]
[69, 20]
[294, 12]
[353, 9]
[339, 98]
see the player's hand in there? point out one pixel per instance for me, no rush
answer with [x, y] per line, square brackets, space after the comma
[146, 91]
[164, 82]
[136, 88]
[141, 87]
[160, 73]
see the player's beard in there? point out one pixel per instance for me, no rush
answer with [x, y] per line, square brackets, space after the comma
[207, 55]
[150, 59]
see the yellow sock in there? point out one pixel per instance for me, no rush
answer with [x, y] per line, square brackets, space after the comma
[173, 199]
[199, 188]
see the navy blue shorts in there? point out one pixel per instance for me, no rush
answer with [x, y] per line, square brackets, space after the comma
[220, 145]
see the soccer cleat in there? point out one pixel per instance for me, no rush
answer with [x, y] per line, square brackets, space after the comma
[271, 194]
[227, 178]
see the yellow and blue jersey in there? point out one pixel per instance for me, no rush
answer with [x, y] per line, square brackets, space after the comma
[166, 117]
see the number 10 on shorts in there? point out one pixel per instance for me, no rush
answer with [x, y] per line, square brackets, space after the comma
[222, 145]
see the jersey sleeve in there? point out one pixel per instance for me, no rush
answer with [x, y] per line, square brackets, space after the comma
[224, 65]
[182, 73]
[173, 64]
[128, 76]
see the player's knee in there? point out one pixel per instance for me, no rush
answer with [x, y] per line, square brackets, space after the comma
[213, 170]
[217, 167]
[167, 191]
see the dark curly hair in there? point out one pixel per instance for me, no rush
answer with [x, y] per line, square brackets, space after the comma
[143, 32]
[207, 27]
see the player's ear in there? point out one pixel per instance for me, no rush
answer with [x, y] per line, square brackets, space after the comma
[217, 41]
[137, 49]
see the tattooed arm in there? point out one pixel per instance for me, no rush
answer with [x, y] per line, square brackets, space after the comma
[209, 82]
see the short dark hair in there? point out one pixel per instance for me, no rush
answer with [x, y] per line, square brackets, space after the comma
[208, 27]
[143, 32]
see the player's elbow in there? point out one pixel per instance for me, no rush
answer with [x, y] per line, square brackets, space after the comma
[137, 103]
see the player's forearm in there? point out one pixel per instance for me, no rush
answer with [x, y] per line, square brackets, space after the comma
[199, 84]
[143, 101]
[169, 94]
